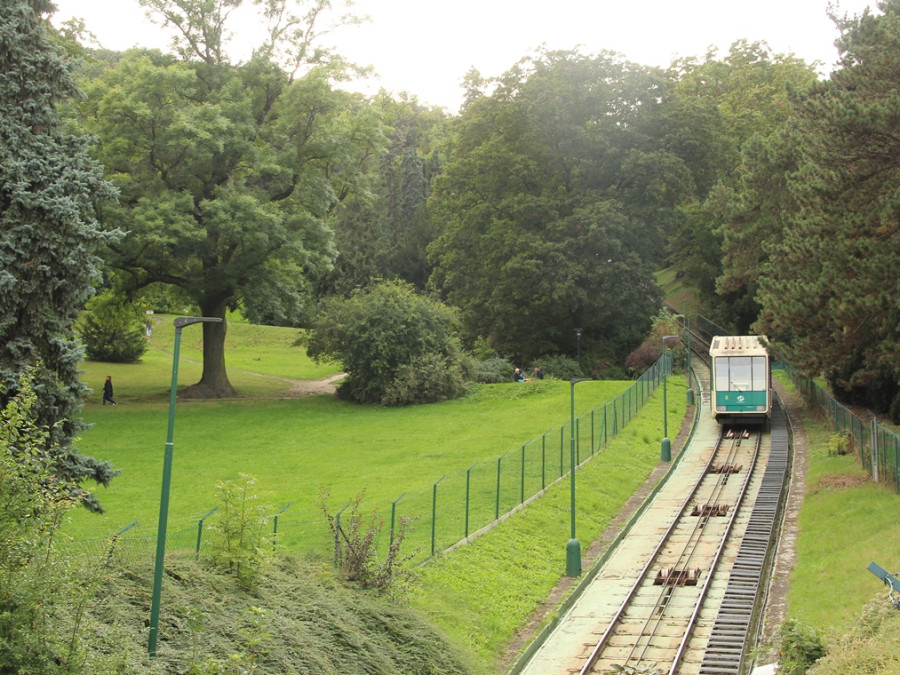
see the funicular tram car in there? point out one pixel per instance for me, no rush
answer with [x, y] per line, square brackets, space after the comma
[740, 379]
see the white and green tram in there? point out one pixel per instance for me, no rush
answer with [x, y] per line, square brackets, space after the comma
[740, 379]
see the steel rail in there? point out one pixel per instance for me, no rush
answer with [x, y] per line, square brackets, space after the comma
[666, 537]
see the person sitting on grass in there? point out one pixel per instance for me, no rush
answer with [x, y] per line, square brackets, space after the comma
[518, 376]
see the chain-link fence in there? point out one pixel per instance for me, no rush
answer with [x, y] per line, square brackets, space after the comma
[877, 447]
[455, 507]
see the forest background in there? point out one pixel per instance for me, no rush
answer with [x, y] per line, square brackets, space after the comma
[544, 207]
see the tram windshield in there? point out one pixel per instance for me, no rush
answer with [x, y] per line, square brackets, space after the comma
[741, 373]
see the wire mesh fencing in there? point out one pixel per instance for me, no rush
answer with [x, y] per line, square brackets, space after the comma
[453, 509]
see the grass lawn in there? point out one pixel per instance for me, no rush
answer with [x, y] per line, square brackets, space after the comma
[846, 522]
[412, 460]
[295, 446]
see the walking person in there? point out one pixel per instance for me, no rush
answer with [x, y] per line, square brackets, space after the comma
[108, 391]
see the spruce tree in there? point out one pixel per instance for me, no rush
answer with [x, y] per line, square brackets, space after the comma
[49, 235]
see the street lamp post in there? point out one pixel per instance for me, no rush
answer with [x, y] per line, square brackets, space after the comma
[665, 451]
[687, 348]
[573, 547]
[180, 323]
[578, 332]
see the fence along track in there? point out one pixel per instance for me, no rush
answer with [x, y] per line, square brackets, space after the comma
[655, 636]
[731, 631]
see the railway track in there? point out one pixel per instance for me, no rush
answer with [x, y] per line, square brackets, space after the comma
[656, 621]
[680, 594]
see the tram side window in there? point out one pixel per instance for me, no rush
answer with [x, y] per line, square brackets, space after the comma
[760, 373]
[722, 373]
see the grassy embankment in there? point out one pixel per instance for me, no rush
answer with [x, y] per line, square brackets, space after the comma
[480, 595]
[846, 522]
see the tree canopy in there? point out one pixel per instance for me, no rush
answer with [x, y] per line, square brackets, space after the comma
[49, 236]
[554, 207]
[228, 173]
[829, 288]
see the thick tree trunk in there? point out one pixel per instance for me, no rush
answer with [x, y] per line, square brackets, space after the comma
[214, 381]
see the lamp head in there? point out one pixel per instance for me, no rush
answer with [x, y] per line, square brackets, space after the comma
[183, 321]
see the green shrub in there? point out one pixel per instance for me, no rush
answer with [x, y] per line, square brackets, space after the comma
[44, 596]
[113, 330]
[894, 411]
[355, 545]
[839, 444]
[491, 370]
[394, 343]
[240, 542]
[427, 378]
[558, 366]
[800, 647]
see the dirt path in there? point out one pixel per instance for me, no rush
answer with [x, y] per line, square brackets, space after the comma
[301, 388]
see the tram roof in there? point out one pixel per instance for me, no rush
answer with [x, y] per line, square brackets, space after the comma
[737, 345]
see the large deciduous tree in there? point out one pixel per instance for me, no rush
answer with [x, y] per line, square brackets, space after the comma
[830, 288]
[49, 236]
[716, 109]
[229, 173]
[555, 204]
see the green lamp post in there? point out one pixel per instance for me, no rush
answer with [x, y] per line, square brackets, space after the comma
[665, 451]
[573, 547]
[180, 323]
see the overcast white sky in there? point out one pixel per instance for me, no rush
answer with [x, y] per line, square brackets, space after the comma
[425, 47]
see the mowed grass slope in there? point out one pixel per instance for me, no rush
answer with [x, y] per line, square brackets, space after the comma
[479, 595]
[292, 445]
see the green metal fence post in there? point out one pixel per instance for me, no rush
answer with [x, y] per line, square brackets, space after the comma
[115, 539]
[468, 483]
[497, 497]
[592, 431]
[544, 461]
[605, 440]
[522, 483]
[200, 531]
[434, 510]
[275, 527]
[393, 518]
[562, 431]
[578, 439]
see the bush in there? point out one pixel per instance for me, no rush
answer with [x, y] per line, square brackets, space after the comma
[839, 444]
[240, 542]
[355, 545]
[113, 330]
[800, 647]
[394, 343]
[426, 379]
[44, 596]
[559, 367]
[491, 370]
[894, 411]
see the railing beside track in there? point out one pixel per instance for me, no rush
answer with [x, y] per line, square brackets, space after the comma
[876, 446]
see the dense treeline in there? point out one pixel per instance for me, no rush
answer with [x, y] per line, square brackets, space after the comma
[543, 207]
